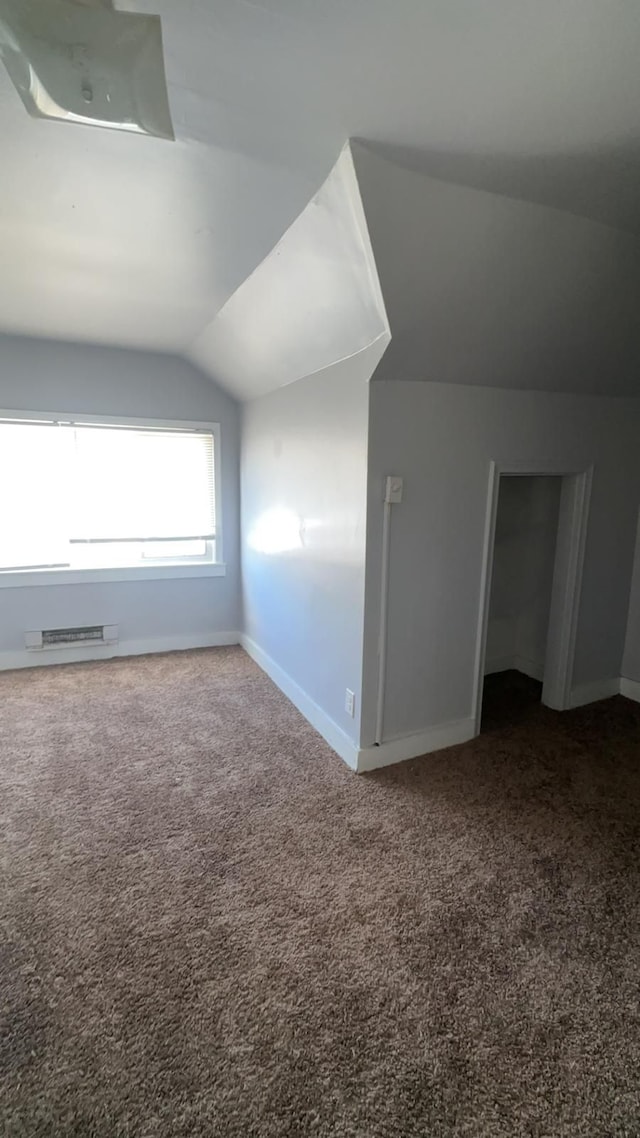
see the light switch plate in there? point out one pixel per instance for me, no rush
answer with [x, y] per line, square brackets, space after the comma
[393, 488]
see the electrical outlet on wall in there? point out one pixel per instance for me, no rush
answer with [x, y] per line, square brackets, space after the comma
[350, 703]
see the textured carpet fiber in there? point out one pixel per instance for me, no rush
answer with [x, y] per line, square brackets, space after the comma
[210, 927]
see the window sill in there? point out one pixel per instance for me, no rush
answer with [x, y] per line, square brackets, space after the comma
[170, 572]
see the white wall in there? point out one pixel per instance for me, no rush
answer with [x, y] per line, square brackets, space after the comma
[47, 376]
[523, 562]
[313, 300]
[441, 438]
[631, 661]
[304, 477]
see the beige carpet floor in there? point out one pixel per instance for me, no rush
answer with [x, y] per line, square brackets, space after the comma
[210, 927]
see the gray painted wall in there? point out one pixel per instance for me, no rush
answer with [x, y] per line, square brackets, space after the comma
[631, 661]
[524, 556]
[304, 477]
[441, 438]
[47, 376]
[481, 289]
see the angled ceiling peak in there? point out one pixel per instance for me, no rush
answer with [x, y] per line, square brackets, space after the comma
[314, 300]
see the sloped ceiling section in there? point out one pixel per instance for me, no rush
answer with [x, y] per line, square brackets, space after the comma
[483, 289]
[314, 300]
[137, 242]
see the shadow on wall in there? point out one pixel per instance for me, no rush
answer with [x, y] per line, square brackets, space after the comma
[579, 183]
[482, 289]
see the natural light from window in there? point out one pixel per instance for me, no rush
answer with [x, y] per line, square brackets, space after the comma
[91, 496]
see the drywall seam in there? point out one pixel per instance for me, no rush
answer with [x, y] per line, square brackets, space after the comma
[360, 218]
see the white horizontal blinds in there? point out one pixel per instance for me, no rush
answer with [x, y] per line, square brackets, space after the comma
[87, 495]
[35, 481]
[142, 485]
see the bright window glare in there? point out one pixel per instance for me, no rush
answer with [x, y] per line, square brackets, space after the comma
[93, 496]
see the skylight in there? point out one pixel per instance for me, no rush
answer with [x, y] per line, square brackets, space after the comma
[87, 63]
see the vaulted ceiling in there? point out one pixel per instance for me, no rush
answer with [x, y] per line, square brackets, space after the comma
[136, 241]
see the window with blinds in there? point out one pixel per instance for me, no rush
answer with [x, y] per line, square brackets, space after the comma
[95, 495]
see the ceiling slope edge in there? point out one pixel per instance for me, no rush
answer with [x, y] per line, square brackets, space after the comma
[313, 301]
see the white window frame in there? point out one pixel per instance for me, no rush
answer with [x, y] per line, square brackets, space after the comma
[164, 571]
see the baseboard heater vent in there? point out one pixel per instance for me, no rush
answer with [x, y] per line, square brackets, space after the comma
[72, 637]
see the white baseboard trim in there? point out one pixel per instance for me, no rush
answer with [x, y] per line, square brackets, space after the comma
[37, 658]
[412, 746]
[592, 692]
[630, 688]
[324, 725]
[518, 663]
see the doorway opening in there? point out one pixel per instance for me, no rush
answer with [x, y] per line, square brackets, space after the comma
[524, 554]
[535, 535]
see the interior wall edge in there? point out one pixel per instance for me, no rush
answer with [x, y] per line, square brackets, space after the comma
[437, 738]
[592, 692]
[324, 725]
[630, 689]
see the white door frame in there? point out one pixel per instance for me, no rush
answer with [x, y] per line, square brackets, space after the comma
[567, 576]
